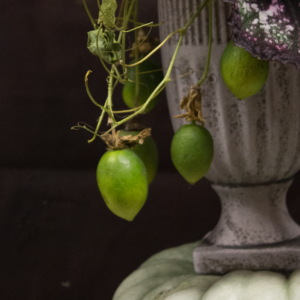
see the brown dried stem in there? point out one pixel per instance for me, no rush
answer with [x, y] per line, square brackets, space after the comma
[192, 104]
[116, 142]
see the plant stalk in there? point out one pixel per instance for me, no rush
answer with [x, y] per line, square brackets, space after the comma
[209, 45]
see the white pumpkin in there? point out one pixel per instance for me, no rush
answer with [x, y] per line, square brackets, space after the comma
[169, 275]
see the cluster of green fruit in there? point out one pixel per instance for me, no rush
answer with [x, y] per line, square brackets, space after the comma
[123, 175]
[192, 146]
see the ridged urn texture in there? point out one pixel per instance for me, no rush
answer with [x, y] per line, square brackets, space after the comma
[256, 140]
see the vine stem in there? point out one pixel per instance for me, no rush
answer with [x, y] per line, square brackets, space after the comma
[110, 93]
[108, 103]
[209, 45]
[121, 10]
[158, 88]
[197, 13]
[163, 83]
[140, 23]
[154, 50]
[139, 27]
[136, 55]
[167, 76]
[77, 127]
[99, 123]
[86, 81]
[180, 30]
[136, 46]
[89, 14]
[122, 35]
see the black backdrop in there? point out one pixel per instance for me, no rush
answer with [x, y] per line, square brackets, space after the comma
[57, 238]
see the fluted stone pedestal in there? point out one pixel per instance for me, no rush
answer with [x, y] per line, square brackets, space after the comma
[257, 147]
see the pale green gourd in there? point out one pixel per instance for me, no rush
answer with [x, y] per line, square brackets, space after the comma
[169, 275]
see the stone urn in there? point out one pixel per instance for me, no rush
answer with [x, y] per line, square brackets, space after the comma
[254, 251]
[257, 147]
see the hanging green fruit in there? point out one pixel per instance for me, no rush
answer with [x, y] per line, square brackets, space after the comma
[192, 151]
[122, 176]
[243, 74]
[150, 75]
[147, 152]
[192, 147]
[122, 181]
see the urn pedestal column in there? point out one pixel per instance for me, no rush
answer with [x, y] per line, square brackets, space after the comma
[257, 147]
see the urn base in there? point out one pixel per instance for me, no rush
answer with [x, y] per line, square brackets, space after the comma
[280, 257]
[255, 232]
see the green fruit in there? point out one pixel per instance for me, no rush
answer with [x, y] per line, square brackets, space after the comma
[192, 151]
[243, 74]
[147, 152]
[122, 181]
[147, 84]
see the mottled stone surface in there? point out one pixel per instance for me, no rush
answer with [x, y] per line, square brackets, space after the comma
[253, 215]
[256, 140]
[283, 257]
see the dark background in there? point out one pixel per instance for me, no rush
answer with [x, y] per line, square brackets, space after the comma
[57, 238]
